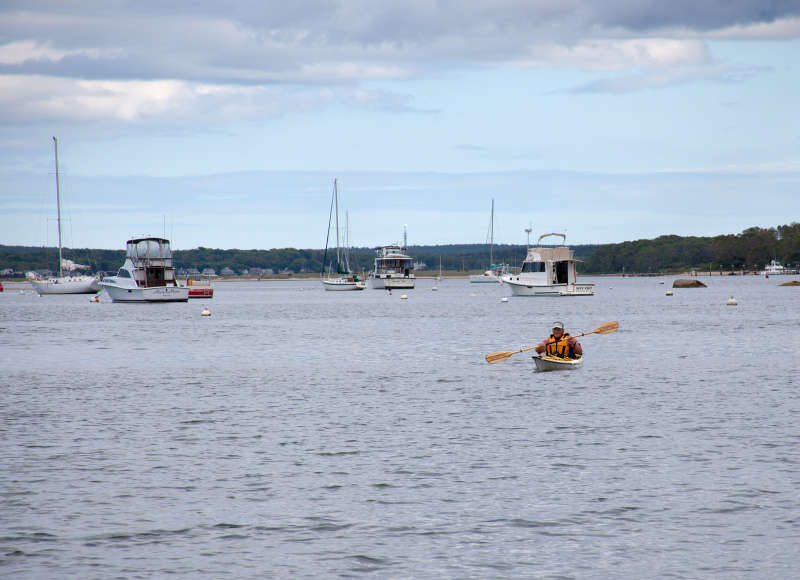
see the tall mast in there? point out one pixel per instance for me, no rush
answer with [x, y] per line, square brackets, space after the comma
[347, 240]
[405, 237]
[491, 237]
[336, 197]
[58, 203]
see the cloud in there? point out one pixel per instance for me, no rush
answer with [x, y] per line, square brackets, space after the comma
[786, 29]
[43, 99]
[145, 60]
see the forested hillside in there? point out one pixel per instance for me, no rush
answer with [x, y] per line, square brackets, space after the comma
[749, 250]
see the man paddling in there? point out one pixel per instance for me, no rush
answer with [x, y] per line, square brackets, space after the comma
[560, 344]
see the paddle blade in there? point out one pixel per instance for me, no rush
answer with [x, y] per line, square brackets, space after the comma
[496, 357]
[606, 328]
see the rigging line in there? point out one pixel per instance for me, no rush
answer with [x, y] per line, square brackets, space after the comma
[327, 238]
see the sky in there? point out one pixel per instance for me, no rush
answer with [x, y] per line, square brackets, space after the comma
[224, 124]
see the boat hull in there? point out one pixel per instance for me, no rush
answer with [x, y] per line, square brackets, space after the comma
[483, 279]
[151, 294]
[67, 285]
[391, 283]
[343, 285]
[520, 288]
[548, 363]
[195, 292]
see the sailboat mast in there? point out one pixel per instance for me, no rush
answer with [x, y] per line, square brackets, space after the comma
[336, 197]
[58, 203]
[347, 240]
[491, 237]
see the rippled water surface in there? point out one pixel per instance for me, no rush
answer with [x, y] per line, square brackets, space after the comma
[298, 433]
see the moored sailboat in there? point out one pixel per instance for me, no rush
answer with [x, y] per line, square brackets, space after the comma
[495, 271]
[71, 284]
[343, 279]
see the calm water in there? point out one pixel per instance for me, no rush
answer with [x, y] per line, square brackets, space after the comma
[298, 433]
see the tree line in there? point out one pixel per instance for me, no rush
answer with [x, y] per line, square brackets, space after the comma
[748, 250]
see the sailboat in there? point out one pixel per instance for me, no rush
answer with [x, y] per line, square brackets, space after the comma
[79, 284]
[492, 275]
[439, 277]
[343, 279]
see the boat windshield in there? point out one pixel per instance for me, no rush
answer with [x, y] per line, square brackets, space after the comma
[533, 267]
[396, 263]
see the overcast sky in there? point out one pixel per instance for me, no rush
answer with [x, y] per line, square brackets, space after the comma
[224, 125]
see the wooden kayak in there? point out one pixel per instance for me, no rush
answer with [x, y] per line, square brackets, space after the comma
[551, 363]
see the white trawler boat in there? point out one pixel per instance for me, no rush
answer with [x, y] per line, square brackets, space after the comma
[147, 275]
[77, 284]
[343, 278]
[548, 272]
[773, 269]
[393, 268]
[495, 271]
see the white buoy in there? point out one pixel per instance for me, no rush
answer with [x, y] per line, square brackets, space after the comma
[504, 299]
[669, 292]
[205, 312]
[404, 297]
[731, 301]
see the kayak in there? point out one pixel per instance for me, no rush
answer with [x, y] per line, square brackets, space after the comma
[553, 363]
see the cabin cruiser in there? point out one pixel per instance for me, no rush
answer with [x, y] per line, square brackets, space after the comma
[774, 268]
[393, 269]
[147, 275]
[547, 271]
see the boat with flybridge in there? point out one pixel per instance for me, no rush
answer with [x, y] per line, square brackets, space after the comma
[394, 268]
[148, 274]
[548, 271]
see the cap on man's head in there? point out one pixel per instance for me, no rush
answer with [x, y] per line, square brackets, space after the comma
[558, 324]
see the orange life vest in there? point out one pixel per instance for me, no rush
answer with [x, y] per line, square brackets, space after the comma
[561, 348]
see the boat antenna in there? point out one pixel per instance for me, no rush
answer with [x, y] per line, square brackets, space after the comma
[528, 231]
[58, 203]
[405, 237]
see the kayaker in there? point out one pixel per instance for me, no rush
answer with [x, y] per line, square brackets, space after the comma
[560, 344]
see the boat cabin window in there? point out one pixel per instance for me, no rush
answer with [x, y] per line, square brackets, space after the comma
[123, 273]
[533, 267]
[392, 263]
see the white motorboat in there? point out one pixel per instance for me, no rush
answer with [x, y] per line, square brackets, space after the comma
[393, 268]
[773, 269]
[548, 272]
[342, 279]
[70, 284]
[495, 271]
[147, 275]
[555, 363]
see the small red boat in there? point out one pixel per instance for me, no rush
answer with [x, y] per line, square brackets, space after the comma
[200, 288]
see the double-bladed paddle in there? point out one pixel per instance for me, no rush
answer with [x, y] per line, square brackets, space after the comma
[496, 357]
